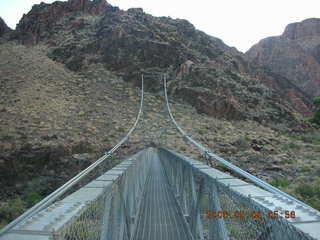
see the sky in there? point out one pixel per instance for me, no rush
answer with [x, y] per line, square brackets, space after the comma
[239, 23]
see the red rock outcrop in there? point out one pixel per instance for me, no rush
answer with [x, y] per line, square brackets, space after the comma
[295, 54]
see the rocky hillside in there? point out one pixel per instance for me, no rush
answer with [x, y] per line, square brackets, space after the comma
[220, 82]
[294, 55]
[49, 114]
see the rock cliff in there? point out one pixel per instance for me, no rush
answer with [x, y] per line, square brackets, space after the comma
[295, 55]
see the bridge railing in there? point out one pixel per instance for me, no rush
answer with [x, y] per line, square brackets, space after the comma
[105, 208]
[112, 213]
[217, 205]
[211, 155]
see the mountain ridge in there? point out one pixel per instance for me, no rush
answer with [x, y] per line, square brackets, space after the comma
[132, 42]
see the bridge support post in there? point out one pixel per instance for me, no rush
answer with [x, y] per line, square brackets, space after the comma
[179, 184]
[183, 192]
[106, 218]
[195, 221]
[217, 226]
[124, 210]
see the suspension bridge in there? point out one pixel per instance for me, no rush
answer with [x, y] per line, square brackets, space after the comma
[159, 194]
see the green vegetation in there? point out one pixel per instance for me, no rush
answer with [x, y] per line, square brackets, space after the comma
[235, 230]
[291, 146]
[316, 118]
[11, 210]
[121, 129]
[287, 161]
[201, 131]
[310, 193]
[31, 199]
[307, 192]
[15, 207]
[312, 137]
[312, 156]
[280, 182]
[305, 169]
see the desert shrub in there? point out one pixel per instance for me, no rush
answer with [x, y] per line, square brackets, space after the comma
[316, 118]
[31, 199]
[16, 206]
[308, 137]
[310, 193]
[311, 137]
[291, 146]
[280, 182]
[11, 210]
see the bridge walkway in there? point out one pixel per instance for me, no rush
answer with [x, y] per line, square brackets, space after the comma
[160, 217]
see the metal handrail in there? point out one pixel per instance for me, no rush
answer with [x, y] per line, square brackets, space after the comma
[231, 166]
[61, 190]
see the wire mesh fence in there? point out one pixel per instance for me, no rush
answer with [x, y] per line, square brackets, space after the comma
[214, 210]
[103, 205]
[111, 215]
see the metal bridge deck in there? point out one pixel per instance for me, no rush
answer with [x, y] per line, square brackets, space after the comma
[160, 216]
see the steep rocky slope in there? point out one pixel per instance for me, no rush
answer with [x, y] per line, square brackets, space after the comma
[295, 55]
[49, 113]
[131, 42]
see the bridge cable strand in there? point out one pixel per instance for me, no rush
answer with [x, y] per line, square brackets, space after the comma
[231, 166]
[64, 188]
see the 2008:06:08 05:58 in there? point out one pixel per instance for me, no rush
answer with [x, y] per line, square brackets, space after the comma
[242, 214]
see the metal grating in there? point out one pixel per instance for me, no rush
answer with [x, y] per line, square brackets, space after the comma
[160, 217]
